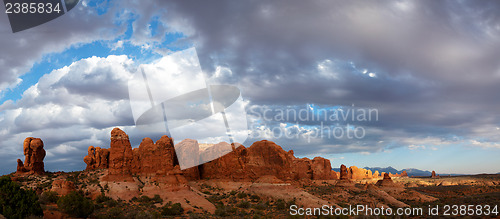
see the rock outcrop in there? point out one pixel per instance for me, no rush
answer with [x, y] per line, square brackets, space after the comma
[265, 158]
[238, 164]
[433, 174]
[404, 174]
[359, 173]
[120, 153]
[97, 158]
[34, 154]
[344, 175]
[344, 180]
[386, 181]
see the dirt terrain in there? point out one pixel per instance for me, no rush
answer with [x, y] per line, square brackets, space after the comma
[267, 197]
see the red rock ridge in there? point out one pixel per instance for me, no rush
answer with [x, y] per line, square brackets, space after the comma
[241, 164]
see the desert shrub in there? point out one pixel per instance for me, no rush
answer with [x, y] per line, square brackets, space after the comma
[172, 209]
[141, 215]
[233, 192]
[260, 206]
[241, 195]
[16, 202]
[221, 211]
[75, 204]
[243, 204]
[280, 204]
[147, 200]
[157, 199]
[102, 198]
[115, 212]
[225, 210]
[49, 197]
[232, 200]
[255, 198]
[195, 216]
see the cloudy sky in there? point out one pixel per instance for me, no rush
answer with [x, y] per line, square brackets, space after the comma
[429, 69]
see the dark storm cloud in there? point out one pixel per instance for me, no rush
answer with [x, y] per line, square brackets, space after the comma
[435, 62]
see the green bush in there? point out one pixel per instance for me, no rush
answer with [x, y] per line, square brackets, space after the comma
[49, 197]
[172, 209]
[16, 202]
[75, 204]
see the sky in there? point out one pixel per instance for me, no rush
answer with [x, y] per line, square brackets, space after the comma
[421, 77]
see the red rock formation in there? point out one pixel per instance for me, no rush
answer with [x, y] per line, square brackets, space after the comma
[404, 174]
[321, 169]
[20, 166]
[343, 172]
[151, 159]
[302, 169]
[433, 174]
[188, 152]
[344, 180]
[386, 181]
[265, 158]
[241, 164]
[120, 153]
[62, 187]
[155, 158]
[215, 151]
[357, 173]
[335, 175]
[230, 166]
[34, 155]
[97, 158]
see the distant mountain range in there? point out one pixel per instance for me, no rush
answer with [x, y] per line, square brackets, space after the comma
[410, 171]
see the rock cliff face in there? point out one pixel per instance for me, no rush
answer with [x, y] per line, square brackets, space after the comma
[150, 158]
[34, 155]
[239, 164]
[266, 158]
